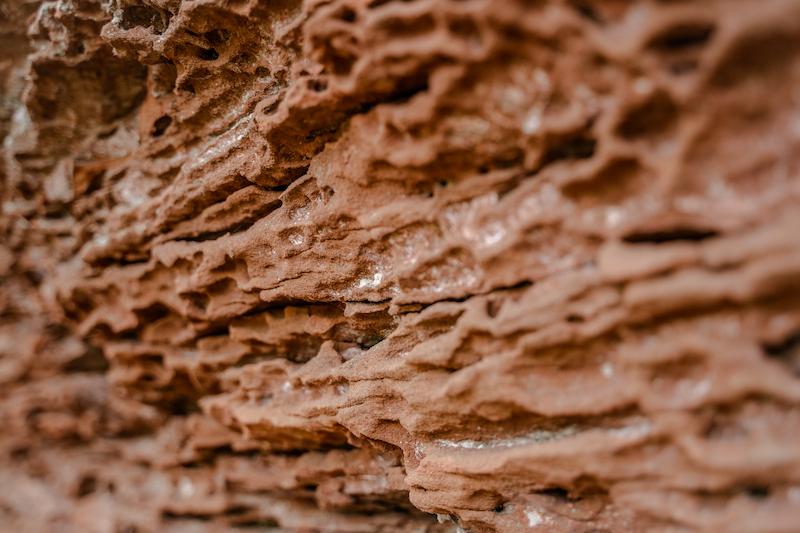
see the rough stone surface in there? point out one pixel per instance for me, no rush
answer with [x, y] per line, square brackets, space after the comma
[353, 266]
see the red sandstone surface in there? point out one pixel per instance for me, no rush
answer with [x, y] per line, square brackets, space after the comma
[400, 266]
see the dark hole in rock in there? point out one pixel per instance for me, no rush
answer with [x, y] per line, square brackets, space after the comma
[408, 88]
[244, 59]
[669, 235]
[347, 14]
[161, 125]
[317, 85]
[34, 276]
[683, 36]
[92, 361]
[339, 61]
[758, 492]
[33, 413]
[152, 313]
[146, 16]
[265, 523]
[371, 340]
[378, 3]
[199, 299]
[559, 493]
[601, 12]
[184, 406]
[219, 36]
[208, 55]
[19, 454]
[655, 116]
[238, 510]
[169, 516]
[87, 486]
[787, 352]
[575, 148]
[466, 29]
[107, 134]
[587, 11]
[270, 108]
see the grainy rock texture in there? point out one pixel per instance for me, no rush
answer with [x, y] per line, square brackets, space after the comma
[353, 266]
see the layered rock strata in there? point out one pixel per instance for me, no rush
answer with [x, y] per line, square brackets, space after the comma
[400, 266]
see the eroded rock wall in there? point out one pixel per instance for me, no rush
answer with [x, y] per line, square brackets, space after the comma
[400, 266]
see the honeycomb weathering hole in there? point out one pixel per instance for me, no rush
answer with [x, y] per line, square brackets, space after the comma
[161, 125]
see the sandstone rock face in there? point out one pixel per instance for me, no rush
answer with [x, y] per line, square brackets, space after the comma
[400, 266]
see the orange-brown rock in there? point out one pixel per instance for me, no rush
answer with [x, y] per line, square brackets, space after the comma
[400, 266]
